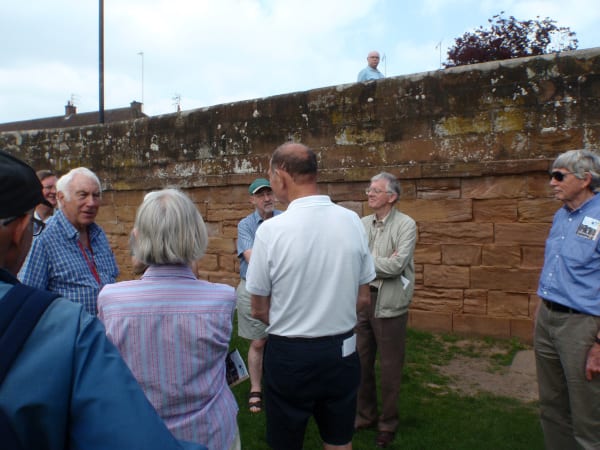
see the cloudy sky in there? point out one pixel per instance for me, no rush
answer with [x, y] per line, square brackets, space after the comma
[207, 52]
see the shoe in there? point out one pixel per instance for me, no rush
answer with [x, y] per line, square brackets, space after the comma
[255, 402]
[365, 426]
[384, 438]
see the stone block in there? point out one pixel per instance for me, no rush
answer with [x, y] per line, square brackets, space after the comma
[501, 255]
[514, 280]
[522, 329]
[533, 257]
[494, 187]
[507, 304]
[495, 210]
[443, 276]
[228, 263]
[441, 300]
[438, 188]
[125, 213]
[461, 255]
[475, 301]
[521, 233]
[442, 210]
[538, 210]
[221, 212]
[474, 325]
[221, 246]
[432, 322]
[538, 185]
[455, 233]
[208, 263]
[428, 254]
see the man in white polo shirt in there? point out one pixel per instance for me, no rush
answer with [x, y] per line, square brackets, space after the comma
[309, 274]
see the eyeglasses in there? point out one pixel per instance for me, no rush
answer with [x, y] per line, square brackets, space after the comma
[559, 176]
[376, 191]
[38, 225]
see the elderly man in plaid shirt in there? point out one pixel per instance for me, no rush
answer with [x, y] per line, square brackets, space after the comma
[72, 257]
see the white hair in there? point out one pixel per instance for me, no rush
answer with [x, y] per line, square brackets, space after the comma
[64, 183]
[169, 229]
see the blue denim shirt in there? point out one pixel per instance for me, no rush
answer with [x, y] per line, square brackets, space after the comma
[571, 272]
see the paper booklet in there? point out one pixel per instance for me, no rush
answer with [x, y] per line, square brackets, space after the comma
[236, 370]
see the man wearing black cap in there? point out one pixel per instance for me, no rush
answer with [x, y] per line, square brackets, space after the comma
[67, 386]
[261, 196]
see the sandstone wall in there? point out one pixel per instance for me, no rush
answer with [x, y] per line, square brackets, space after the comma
[472, 146]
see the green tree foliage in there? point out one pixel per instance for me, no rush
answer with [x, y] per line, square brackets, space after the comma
[509, 38]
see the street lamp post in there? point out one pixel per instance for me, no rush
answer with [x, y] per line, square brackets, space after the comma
[142, 55]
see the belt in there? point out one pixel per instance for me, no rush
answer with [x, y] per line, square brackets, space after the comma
[552, 306]
[373, 289]
[332, 337]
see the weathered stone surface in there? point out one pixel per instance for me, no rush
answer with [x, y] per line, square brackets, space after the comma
[494, 187]
[475, 325]
[475, 301]
[522, 329]
[508, 304]
[446, 300]
[445, 276]
[431, 254]
[443, 210]
[461, 255]
[430, 321]
[521, 233]
[495, 210]
[539, 210]
[533, 256]
[432, 189]
[501, 255]
[472, 147]
[508, 280]
[455, 233]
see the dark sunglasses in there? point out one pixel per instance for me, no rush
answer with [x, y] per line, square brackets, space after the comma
[559, 176]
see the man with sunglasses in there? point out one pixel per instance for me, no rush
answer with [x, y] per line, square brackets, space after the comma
[67, 386]
[567, 329]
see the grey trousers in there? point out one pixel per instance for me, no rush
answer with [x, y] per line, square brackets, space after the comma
[569, 404]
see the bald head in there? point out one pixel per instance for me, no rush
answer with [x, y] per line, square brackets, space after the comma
[373, 59]
[299, 161]
[293, 172]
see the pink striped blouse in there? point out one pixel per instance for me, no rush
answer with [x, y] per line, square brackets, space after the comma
[173, 332]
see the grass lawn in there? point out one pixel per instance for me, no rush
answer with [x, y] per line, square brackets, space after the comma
[431, 415]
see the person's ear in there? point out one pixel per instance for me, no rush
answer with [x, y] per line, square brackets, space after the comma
[20, 229]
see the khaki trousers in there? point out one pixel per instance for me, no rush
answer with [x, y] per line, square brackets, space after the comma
[388, 337]
[569, 404]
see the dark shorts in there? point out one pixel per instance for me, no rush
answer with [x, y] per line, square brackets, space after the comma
[309, 377]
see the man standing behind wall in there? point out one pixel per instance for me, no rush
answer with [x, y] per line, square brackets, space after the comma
[72, 256]
[567, 328]
[261, 196]
[392, 237]
[308, 275]
[370, 72]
